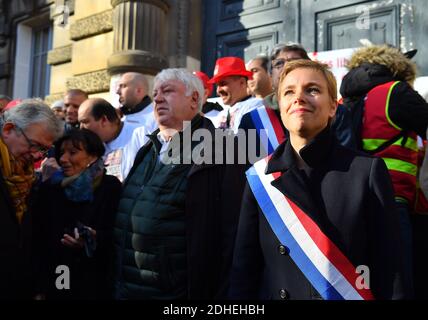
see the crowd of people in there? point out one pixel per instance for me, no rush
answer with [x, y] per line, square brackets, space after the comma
[98, 202]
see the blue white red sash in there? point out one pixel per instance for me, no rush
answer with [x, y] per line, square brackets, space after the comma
[324, 265]
[266, 118]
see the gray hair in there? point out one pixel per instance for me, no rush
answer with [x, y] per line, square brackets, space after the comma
[31, 111]
[286, 47]
[190, 81]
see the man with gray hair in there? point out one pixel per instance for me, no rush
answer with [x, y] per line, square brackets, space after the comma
[136, 105]
[26, 133]
[176, 221]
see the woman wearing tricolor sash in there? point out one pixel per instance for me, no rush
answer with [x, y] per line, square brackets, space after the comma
[318, 220]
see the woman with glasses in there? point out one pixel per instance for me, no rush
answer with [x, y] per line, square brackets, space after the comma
[73, 222]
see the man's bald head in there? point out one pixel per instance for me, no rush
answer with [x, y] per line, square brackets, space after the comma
[132, 88]
[138, 79]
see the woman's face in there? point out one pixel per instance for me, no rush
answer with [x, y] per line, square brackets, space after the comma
[305, 104]
[73, 160]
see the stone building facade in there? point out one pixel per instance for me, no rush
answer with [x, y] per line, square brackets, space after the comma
[49, 46]
[91, 42]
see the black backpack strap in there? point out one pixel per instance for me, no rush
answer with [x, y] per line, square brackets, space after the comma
[386, 144]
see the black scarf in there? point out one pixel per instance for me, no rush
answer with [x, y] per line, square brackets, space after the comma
[131, 110]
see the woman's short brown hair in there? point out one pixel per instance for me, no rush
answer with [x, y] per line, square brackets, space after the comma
[309, 64]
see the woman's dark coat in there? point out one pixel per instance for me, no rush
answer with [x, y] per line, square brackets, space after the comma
[55, 215]
[349, 196]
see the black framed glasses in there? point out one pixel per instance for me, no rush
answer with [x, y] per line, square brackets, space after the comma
[280, 63]
[34, 146]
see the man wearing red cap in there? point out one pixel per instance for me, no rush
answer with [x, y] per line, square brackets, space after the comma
[230, 76]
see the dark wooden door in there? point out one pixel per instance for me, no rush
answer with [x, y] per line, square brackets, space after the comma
[245, 28]
[339, 24]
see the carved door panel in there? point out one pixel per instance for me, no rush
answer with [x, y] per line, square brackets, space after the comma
[338, 24]
[345, 24]
[245, 28]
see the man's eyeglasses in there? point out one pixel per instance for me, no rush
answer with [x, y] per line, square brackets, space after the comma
[34, 146]
[279, 63]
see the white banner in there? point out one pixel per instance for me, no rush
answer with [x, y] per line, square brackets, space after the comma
[336, 60]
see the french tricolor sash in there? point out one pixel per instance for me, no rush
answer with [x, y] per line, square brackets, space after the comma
[266, 119]
[324, 265]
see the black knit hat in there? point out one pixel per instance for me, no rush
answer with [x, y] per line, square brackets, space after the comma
[410, 54]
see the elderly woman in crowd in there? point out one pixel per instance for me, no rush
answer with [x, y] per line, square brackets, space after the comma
[318, 220]
[73, 222]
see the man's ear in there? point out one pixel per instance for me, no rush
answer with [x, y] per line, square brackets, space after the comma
[140, 91]
[195, 98]
[7, 128]
[6, 133]
[243, 81]
[104, 120]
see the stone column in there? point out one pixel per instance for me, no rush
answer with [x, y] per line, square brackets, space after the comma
[139, 36]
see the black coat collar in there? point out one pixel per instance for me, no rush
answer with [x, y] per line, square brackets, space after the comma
[303, 186]
[315, 154]
[210, 106]
[144, 103]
